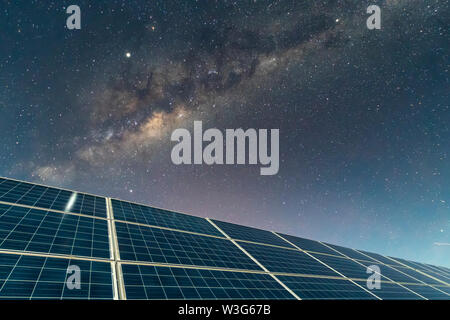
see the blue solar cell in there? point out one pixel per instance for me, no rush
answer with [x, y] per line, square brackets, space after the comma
[351, 253]
[420, 270]
[428, 292]
[235, 231]
[34, 230]
[286, 260]
[33, 277]
[160, 283]
[308, 288]
[131, 212]
[391, 291]
[309, 245]
[418, 276]
[141, 243]
[381, 258]
[51, 198]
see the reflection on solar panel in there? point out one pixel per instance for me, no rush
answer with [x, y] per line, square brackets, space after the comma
[36, 230]
[51, 198]
[129, 212]
[125, 250]
[150, 282]
[324, 288]
[34, 277]
[251, 234]
[139, 243]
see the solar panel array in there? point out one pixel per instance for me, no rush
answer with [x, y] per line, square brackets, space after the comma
[124, 250]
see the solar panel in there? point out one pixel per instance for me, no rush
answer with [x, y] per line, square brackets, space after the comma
[17, 192]
[130, 212]
[140, 243]
[37, 230]
[310, 245]
[153, 282]
[418, 276]
[351, 253]
[235, 231]
[392, 291]
[308, 288]
[169, 255]
[428, 292]
[34, 277]
[430, 271]
[286, 260]
[422, 268]
[345, 266]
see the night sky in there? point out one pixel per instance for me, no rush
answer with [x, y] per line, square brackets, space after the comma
[363, 114]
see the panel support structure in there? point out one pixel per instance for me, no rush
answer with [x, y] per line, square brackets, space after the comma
[118, 283]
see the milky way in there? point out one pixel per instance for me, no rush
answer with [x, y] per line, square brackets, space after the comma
[363, 114]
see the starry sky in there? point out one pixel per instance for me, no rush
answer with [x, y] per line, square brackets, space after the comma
[363, 114]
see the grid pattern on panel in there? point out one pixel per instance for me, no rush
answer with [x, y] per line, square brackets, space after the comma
[436, 270]
[421, 267]
[152, 282]
[35, 230]
[430, 271]
[324, 288]
[285, 260]
[35, 277]
[391, 291]
[381, 258]
[428, 292]
[347, 267]
[131, 212]
[351, 253]
[140, 243]
[391, 273]
[309, 245]
[51, 198]
[418, 276]
[236, 231]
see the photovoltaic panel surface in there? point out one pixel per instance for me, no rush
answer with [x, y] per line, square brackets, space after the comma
[35, 230]
[428, 292]
[130, 212]
[235, 231]
[350, 253]
[419, 276]
[51, 198]
[140, 243]
[381, 258]
[152, 282]
[393, 273]
[345, 266]
[324, 288]
[34, 277]
[309, 245]
[392, 291]
[285, 260]
[430, 271]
